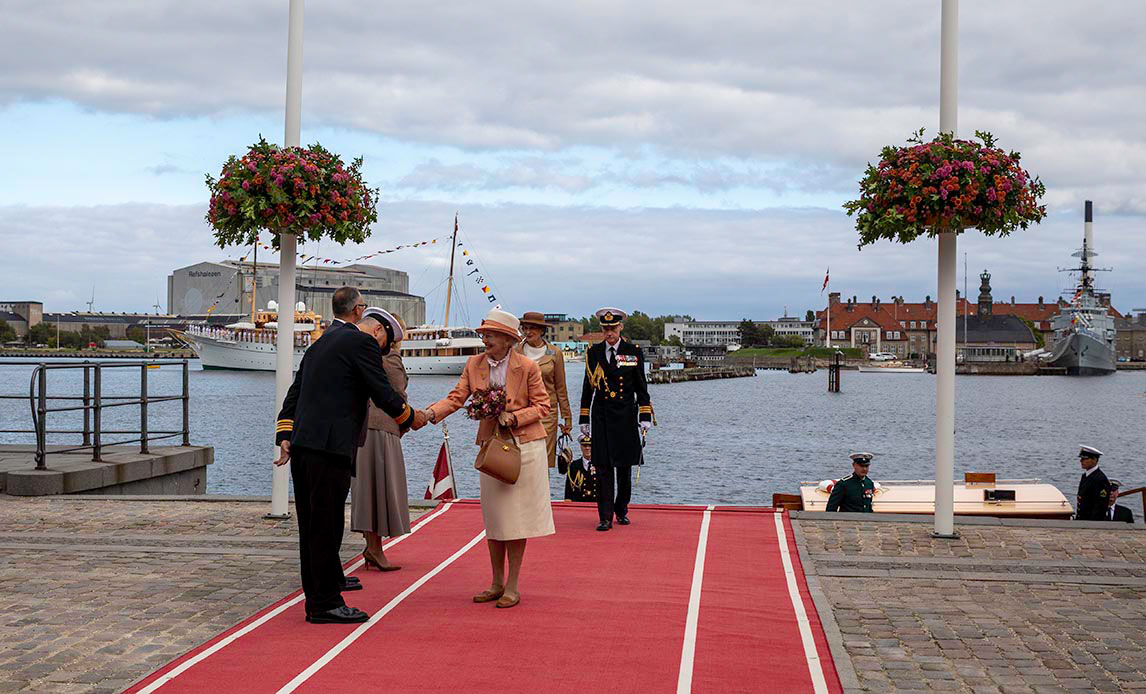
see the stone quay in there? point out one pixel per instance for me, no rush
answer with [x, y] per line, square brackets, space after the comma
[98, 591]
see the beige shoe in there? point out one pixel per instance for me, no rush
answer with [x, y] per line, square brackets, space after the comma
[489, 595]
[507, 602]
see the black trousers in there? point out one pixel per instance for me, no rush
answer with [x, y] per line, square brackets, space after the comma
[321, 484]
[606, 506]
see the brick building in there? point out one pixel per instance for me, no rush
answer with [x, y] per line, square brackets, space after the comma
[1130, 341]
[908, 329]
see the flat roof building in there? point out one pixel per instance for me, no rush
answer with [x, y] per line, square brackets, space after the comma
[225, 288]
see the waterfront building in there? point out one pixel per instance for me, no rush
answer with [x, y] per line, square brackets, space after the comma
[702, 333]
[1130, 341]
[227, 285]
[117, 324]
[908, 329]
[562, 328]
[22, 315]
[989, 337]
[698, 333]
[792, 326]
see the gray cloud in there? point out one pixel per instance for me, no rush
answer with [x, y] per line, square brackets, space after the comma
[820, 82]
[709, 263]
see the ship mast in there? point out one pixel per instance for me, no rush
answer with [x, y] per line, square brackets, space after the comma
[450, 283]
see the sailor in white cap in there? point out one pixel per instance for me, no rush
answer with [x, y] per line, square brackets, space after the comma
[1093, 488]
[615, 410]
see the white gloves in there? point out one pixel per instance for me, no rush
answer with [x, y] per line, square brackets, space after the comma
[584, 429]
[645, 426]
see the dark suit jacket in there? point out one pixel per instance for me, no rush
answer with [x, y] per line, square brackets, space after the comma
[325, 408]
[1123, 514]
[1092, 496]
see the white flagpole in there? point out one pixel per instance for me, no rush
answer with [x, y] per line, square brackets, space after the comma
[948, 261]
[284, 344]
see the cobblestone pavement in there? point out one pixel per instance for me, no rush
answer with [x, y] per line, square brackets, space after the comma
[95, 594]
[1001, 609]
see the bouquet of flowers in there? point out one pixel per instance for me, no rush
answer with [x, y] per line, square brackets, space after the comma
[487, 403]
[304, 191]
[945, 184]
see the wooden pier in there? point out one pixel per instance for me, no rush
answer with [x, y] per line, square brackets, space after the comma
[700, 374]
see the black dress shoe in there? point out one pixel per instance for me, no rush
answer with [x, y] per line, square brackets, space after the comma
[605, 525]
[348, 586]
[339, 615]
[623, 520]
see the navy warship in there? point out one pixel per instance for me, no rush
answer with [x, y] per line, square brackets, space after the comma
[1084, 329]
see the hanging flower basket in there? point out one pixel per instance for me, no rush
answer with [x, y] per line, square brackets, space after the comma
[945, 185]
[308, 192]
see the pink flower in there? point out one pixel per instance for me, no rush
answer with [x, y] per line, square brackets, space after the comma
[246, 185]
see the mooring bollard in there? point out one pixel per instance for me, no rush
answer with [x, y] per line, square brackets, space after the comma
[834, 373]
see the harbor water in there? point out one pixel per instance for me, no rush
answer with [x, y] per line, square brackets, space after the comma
[733, 441]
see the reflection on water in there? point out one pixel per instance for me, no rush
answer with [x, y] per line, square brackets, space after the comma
[734, 441]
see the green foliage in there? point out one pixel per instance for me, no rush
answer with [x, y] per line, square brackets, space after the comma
[793, 341]
[304, 191]
[754, 334]
[810, 316]
[639, 326]
[1040, 341]
[42, 334]
[946, 184]
[7, 332]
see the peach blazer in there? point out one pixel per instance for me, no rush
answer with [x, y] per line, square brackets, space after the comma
[526, 397]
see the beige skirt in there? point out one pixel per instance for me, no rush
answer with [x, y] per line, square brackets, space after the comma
[379, 502]
[522, 510]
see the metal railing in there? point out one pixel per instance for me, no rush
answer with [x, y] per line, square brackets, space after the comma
[94, 402]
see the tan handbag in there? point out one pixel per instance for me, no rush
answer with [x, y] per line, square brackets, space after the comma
[499, 457]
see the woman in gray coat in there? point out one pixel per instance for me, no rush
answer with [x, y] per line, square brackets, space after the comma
[379, 505]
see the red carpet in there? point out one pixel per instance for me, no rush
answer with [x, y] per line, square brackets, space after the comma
[599, 612]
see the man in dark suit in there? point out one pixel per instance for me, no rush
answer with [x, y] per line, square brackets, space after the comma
[616, 411]
[1117, 512]
[1092, 488]
[318, 431]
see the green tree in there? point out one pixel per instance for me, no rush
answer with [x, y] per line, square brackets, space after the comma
[638, 326]
[42, 334]
[810, 316]
[7, 332]
[749, 336]
[767, 334]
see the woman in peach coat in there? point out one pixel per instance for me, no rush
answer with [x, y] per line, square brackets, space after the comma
[512, 513]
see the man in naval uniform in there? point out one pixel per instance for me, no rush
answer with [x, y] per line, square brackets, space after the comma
[1116, 511]
[854, 493]
[616, 410]
[1093, 488]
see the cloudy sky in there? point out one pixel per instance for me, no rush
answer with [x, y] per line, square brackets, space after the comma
[669, 156]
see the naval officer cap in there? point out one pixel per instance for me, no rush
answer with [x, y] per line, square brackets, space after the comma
[861, 458]
[387, 319]
[1089, 452]
[610, 316]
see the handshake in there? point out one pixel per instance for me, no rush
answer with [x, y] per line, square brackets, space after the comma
[421, 419]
